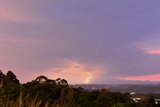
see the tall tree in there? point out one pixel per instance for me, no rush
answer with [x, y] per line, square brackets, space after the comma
[11, 79]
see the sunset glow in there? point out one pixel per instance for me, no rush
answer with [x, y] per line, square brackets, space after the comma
[75, 73]
[154, 52]
[153, 77]
[82, 41]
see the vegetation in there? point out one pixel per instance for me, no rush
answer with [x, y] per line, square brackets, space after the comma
[44, 92]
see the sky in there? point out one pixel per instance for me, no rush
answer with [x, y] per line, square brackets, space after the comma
[82, 41]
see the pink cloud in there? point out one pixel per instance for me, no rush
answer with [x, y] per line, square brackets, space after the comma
[149, 45]
[74, 72]
[153, 77]
[156, 52]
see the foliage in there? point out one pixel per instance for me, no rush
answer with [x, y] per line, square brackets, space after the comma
[44, 92]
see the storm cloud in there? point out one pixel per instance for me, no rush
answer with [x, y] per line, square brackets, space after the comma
[118, 39]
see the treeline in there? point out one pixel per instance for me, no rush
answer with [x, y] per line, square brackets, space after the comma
[44, 92]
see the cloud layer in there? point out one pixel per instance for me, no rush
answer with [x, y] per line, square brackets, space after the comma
[115, 38]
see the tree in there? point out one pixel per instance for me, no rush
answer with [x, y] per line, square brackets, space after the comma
[49, 81]
[10, 79]
[64, 82]
[60, 81]
[1, 76]
[41, 79]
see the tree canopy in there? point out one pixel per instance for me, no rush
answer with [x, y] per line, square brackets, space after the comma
[52, 93]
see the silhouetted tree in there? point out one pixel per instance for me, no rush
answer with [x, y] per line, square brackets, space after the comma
[2, 76]
[49, 81]
[58, 93]
[10, 79]
[41, 79]
[60, 81]
[64, 82]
